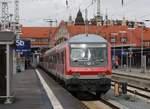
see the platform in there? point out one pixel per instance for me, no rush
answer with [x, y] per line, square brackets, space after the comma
[29, 93]
[66, 100]
[135, 77]
[134, 72]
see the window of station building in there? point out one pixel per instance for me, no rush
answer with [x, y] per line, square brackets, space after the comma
[124, 39]
[113, 39]
[147, 44]
[39, 40]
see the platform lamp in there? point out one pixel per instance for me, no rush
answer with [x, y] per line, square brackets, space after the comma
[142, 46]
[50, 21]
[131, 28]
[122, 43]
[113, 40]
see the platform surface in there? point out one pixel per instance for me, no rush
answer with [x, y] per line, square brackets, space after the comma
[29, 92]
[64, 97]
[134, 72]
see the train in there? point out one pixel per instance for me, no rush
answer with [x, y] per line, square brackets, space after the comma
[82, 63]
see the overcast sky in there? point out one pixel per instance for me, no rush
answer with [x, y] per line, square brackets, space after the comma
[32, 12]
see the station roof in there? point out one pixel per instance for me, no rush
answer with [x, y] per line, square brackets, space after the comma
[133, 35]
[37, 32]
[7, 36]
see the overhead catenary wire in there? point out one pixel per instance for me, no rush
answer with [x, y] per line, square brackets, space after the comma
[83, 6]
[125, 5]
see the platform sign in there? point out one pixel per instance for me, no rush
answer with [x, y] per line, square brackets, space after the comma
[23, 46]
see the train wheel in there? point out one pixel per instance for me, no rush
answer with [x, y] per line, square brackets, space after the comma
[98, 94]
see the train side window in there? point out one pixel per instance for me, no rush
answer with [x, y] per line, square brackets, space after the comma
[50, 59]
[53, 59]
[62, 57]
[57, 58]
[56, 61]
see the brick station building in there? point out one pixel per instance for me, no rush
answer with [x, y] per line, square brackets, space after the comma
[122, 38]
[39, 36]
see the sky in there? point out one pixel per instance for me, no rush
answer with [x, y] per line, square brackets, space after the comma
[33, 12]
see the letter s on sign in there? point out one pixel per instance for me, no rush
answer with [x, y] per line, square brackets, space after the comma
[20, 43]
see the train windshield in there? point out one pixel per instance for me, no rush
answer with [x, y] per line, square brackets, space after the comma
[88, 54]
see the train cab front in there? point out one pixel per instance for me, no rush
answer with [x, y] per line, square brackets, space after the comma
[89, 68]
[78, 81]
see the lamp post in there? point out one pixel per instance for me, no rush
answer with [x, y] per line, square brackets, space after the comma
[142, 46]
[130, 50]
[114, 45]
[142, 35]
[122, 42]
[50, 21]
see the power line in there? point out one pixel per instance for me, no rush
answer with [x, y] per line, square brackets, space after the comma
[124, 5]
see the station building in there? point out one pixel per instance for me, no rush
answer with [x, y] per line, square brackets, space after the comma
[122, 38]
[39, 36]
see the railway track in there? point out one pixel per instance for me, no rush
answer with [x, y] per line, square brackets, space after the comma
[142, 92]
[100, 104]
[105, 103]
[141, 83]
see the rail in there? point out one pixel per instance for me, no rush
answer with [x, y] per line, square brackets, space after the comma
[135, 81]
[145, 93]
[113, 106]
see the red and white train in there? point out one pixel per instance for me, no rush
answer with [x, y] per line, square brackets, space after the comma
[83, 63]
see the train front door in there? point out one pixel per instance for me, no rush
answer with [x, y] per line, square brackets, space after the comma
[2, 70]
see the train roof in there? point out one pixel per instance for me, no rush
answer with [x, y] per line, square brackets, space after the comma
[91, 38]
[81, 38]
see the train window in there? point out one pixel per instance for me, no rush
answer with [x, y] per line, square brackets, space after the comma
[58, 59]
[89, 55]
[50, 59]
[62, 57]
[55, 61]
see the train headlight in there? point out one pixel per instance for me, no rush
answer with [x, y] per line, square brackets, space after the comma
[76, 75]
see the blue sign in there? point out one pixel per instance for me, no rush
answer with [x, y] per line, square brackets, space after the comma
[23, 45]
[122, 53]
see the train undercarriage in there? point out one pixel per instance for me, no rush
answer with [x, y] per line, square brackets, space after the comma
[99, 86]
